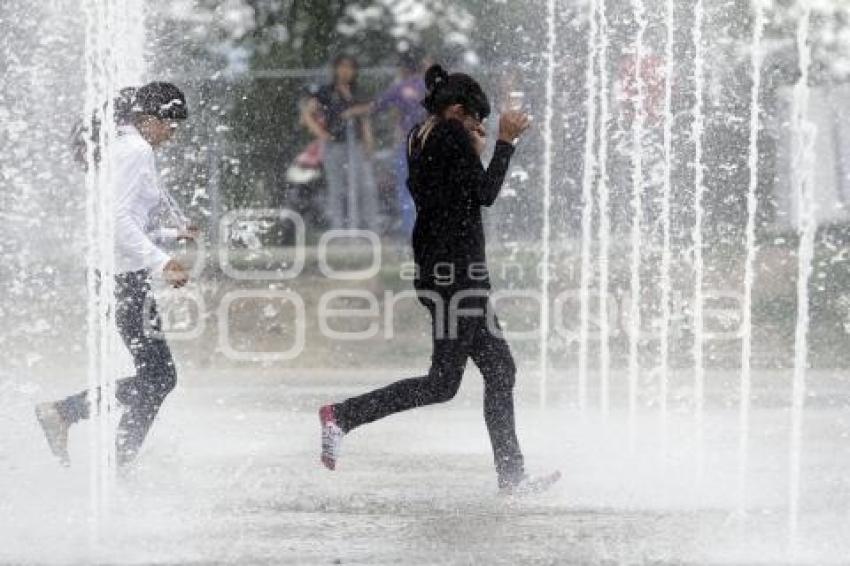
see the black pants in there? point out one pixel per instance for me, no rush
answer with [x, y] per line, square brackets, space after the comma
[472, 339]
[142, 395]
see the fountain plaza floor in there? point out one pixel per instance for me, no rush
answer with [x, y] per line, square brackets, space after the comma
[231, 476]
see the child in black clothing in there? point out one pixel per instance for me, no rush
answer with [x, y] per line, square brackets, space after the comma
[449, 186]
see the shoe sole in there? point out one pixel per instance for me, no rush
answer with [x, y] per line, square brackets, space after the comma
[541, 485]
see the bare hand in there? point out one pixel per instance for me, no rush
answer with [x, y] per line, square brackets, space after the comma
[175, 274]
[479, 138]
[512, 125]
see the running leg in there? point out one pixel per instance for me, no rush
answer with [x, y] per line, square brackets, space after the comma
[448, 361]
[140, 326]
[492, 355]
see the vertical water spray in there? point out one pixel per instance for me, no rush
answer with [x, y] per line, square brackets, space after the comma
[604, 233]
[666, 252]
[749, 261]
[587, 202]
[551, 33]
[637, 211]
[698, 127]
[803, 136]
[99, 255]
[129, 38]
[108, 58]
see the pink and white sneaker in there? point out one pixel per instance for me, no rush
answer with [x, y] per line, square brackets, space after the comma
[331, 437]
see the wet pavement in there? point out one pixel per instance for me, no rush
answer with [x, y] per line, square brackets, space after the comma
[231, 476]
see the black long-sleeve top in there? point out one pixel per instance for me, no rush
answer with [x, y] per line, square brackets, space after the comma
[449, 186]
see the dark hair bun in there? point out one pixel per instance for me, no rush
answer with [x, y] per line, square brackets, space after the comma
[445, 90]
[435, 76]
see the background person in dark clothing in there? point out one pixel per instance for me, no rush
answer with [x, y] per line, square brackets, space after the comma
[352, 197]
[145, 120]
[449, 186]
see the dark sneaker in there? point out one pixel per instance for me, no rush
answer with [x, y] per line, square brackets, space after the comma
[530, 485]
[55, 431]
[331, 437]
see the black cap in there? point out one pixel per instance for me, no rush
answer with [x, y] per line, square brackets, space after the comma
[161, 100]
[446, 89]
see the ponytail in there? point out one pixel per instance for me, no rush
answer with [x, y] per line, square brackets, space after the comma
[435, 76]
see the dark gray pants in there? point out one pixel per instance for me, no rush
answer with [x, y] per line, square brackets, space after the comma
[352, 200]
[142, 394]
[488, 350]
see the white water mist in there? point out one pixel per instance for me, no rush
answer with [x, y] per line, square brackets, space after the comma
[113, 53]
[587, 201]
[697, 132]
[637, 210]
[666, 192]
[604, 229]
[749, 261]
[548, 148]
[803, 159]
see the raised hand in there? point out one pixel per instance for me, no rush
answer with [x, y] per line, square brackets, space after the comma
[512, 124]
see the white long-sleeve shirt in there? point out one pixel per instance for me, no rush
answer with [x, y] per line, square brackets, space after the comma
[137, 195]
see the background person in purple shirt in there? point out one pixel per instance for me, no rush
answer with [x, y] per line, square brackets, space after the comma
[405, 97]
